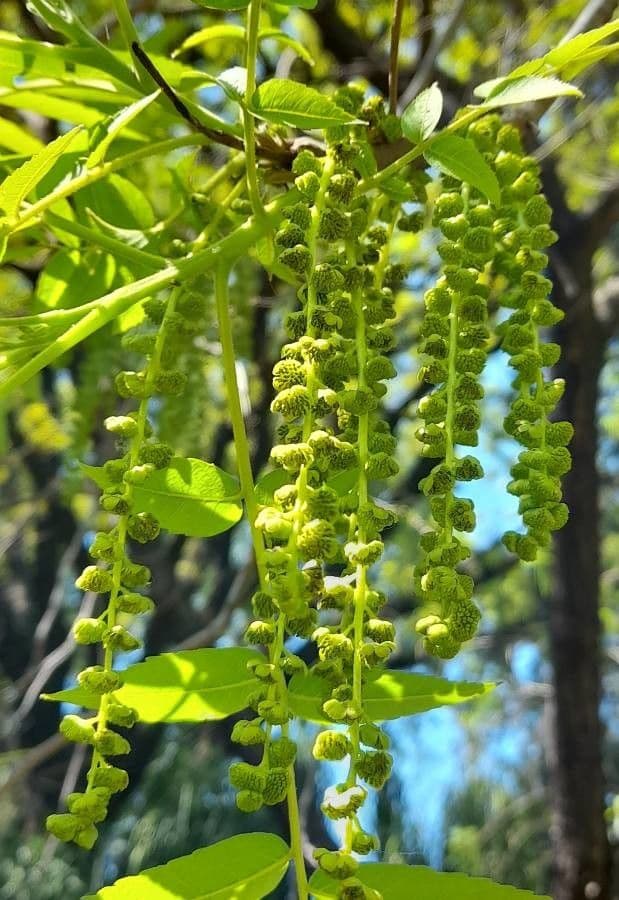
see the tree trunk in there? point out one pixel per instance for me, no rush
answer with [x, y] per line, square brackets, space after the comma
[579, 838]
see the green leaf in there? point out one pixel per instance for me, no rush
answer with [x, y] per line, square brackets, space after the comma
[268, 484]
[576, 46]
[188, 686]
[115, 125]
[460, 158]
[421, 117]
[244, 867]
[189, 497]
[302, 4]
[72, 277]
[18, 139]
[386, 695]
[233, 82]
[222, 4]
[117, 201]
[395, 882]
[287, 102]
[20, 183]
[527, 89]
[223, 32]
[280, 37]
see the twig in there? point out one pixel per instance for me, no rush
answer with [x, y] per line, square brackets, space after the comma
[218, 137]
[426, 66]
[595, 12]
[394, 54]
[49, 665]
[33, 758]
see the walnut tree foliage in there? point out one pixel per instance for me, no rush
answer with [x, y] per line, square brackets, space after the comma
[326, 194]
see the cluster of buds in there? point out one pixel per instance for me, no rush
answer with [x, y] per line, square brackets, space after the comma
[116, 575]
[455, 338]
[522, 233]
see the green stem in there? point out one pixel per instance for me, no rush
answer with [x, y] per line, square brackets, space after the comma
[253, 24]
[239, 432]
[419, 149]
[97, 313]
[130, 35]
[246, 478]
[115, 246]
[90, 176]
[137, 441]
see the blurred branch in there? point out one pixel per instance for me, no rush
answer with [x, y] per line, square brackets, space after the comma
[394, 54]
[32, 758]
[427, 65]
[49, 665]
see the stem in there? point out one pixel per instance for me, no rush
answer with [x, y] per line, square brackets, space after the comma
[243, 460]
[97, 313]
[368, 183]
[89, 176]
[239, 432]
[394, 54]
[129, 33]
[253, 23]
[115, 246]
[121, 529]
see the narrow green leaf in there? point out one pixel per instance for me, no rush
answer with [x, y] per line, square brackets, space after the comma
[395, 882]
[280, 37]
[388, 695]
[588, 58]
[222, 4]
[421, 117]
[18, 139]
[244, 867]
[222, 32]
[233, 82]
[117, 124]
[18, 185]
[302, 4]
[188, 686]
[570, 50]
[287, 102]
[460, 158]
[528, 89]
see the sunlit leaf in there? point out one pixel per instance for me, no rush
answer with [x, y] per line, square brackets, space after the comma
[287, 102]
[460, 158]
[421, 117]
[187, 686]
[526, 89]
[244, 867]
[387, 695]
[20, 183]
[395, 882]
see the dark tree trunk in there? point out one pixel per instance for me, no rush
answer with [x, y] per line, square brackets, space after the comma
[581, 854]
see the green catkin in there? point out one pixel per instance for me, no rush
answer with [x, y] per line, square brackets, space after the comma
[115, 575]
[523, 233]
[454, 339]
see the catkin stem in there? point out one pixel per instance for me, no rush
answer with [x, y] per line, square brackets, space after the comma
[246, 479]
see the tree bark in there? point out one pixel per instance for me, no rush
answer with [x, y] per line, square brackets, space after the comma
[582, 861]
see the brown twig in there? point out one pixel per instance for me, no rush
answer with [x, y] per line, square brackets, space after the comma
[394, 54]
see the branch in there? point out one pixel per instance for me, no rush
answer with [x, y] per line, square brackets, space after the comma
[394, 54]
[426, 66]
